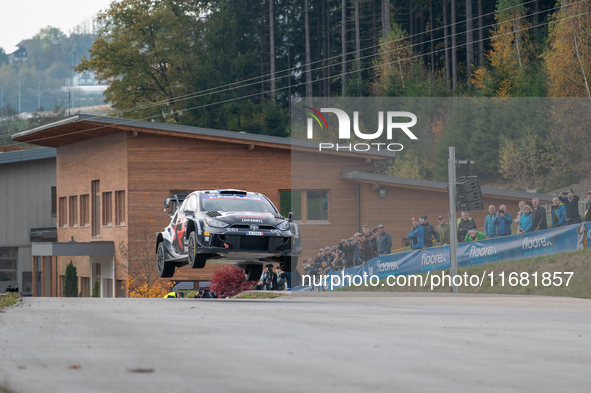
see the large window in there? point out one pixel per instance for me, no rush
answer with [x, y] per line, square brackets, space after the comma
[107, 209]
[8, 267]
[63, 212]
[73, 217]
[84, 203]
[96, 207]
[307, 206]
[120, 208]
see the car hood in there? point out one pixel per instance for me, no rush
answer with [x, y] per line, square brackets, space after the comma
[247, 217]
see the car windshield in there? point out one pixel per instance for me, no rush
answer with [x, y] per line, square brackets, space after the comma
[239, 203]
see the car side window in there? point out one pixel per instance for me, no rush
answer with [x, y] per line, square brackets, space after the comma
[192, 203]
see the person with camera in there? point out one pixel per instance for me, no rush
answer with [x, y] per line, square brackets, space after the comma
[571, 206]
[539, 220]
[473, 236]
[268, 280]
[339, 262]
[503, 221]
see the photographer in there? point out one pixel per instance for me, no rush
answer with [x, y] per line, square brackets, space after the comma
[268, 281]
[503, 221]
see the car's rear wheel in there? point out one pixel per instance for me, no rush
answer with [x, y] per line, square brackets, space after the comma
[165, 269]
[196, 261]
[253, 272]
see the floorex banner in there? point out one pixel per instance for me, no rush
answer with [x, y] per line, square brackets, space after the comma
[547, 242]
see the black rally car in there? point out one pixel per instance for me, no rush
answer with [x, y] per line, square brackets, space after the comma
[226, 226]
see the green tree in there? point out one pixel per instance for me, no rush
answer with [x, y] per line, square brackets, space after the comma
[71, 281]
[96, 289]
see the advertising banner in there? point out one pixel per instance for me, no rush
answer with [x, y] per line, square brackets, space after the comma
[546, 242]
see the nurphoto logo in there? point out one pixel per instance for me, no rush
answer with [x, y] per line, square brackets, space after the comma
[344, 129]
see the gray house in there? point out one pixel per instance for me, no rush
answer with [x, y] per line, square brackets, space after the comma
[27, 214]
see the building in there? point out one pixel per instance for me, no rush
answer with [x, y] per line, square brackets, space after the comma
[113, 175]
[20, 54]
[28, 214]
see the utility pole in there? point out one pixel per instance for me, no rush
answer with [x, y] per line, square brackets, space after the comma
[19, 87]
[453, 230]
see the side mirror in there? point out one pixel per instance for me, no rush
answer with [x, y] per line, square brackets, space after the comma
[290, 217]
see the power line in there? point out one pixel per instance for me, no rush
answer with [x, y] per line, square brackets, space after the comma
[284, 88]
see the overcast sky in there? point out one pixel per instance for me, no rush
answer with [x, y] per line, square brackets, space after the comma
[22, 19]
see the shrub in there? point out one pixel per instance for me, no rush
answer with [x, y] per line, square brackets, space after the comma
[96, 289]
[229, 281]
[71, 281]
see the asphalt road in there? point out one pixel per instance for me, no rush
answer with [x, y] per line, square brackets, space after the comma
[308, 343]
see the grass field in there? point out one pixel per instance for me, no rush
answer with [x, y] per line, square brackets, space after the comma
[577, 262]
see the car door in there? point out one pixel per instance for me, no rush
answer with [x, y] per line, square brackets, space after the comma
[179, 226]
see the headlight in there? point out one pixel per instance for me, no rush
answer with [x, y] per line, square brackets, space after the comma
[284, 226]
[212, 222]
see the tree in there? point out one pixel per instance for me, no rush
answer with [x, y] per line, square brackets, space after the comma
[229, 281]
[525, 159]
[143, 279]
[71, 281]
[96, 289]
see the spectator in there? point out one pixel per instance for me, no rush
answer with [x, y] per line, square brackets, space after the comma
[349, 253]
[366, 229]
[416, 235]
[384, 241]
[525, 223]
[539, 220]
[327, 254]
[558, 213]
[490, 229]
[443, 230]
[464, 226]
[429, 232]
[268, 280]
[588, 208]
[503, 221]
[520, 212]
[571, 206]
[473, 236]
[339, 262]
[320, 257]
[373, 244]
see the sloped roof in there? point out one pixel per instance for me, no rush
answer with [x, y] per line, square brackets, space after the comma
[84, 126]
[347, 174]
[27, 155]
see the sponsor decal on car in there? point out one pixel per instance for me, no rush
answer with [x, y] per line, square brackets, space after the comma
[231, 229]
[252, 233]
[252, 220]
[275, 231]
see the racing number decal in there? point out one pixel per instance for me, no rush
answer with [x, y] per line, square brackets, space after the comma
[180, 232]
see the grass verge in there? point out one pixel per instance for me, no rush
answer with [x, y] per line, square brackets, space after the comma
[9, 300]
[577, 262]
[258, 295]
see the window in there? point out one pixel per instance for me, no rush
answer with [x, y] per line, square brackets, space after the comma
[53, 201]
[96, 207]
[120, 208]
[63, 212]
[307, 206]
[107, 210]
[84, 210]
[8, 267]
[73, 211]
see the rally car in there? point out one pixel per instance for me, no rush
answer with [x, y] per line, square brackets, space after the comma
[226, 226]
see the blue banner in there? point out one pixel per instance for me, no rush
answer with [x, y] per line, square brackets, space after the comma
[545, 242]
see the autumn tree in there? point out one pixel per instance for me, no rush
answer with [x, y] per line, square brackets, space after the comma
[143, 279]
[229, 281]
[526, 159]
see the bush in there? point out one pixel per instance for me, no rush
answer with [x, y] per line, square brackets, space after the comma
[71, 281]
[229, 281]
[96, 289]
[191, 294]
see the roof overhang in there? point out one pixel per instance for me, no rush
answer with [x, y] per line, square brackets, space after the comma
[372, 178]
[83, 127]
[72, 249]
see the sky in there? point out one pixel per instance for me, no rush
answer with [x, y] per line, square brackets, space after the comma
[20, 20]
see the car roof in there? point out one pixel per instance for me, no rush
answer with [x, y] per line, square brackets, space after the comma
[228, 191]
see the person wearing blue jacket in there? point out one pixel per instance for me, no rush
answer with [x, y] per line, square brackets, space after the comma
[490, 229]
[525, 224]
[558, 213]
[503, 221]
[416, 235]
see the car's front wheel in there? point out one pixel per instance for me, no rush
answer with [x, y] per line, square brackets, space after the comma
[165, 269]
[253, 272]
[196, 261]
[288, 263]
